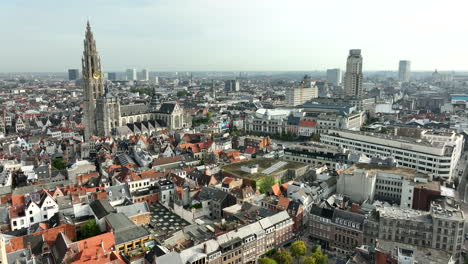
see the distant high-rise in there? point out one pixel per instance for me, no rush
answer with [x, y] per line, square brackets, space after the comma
[112, 76]
[144, 75]
[232, 85]
[73, 74]
[404, 71]
[131, 74]
[353, 75]
[334, 76]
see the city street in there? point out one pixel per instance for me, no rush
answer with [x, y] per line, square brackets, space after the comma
[463, 186]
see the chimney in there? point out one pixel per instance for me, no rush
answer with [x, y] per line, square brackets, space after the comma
[102, 244]
[97, 254]
[205, 248]
[85, 245]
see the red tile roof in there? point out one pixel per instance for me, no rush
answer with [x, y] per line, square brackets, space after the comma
[49, 236]
[307, 123]
[283, 202]
[250, 150]
[97, 249]
[276, 190]
[168, 160]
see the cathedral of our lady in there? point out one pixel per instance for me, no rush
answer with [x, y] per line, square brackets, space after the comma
[105, 116]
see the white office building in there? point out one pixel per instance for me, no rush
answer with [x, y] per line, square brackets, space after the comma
[434, 153]
[299, 95]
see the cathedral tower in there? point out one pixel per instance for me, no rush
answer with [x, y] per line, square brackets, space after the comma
[92, 83]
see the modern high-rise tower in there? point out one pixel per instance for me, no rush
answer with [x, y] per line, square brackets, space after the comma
[112, 76]
[73, 74]
[334, 76]
[92, 82]
[353, 75]
[144, 75]
[404, 71]
[131, 74]
[232, 85]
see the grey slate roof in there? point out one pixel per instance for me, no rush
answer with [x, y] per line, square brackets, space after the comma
[133, 109]
[129, 234]
[35, 241]
[348, 217]
[133, 209]
[118, 221]
[167, 108]
[118, 192]
[19, 257]
[210, 193]
[4, 216]
[101, 208]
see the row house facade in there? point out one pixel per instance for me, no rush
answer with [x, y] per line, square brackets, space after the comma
[243, 245]
[37, 209]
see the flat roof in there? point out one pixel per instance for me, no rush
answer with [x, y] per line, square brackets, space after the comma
[420, 254]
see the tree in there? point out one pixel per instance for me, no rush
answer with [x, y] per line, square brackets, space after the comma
[266, 183]
[59, 164]
[266, 260]
[309, 260]
[208, 115]
[298, 249]
[182, 93]
[89, 229]
[283, 257]
[319, 257]
[270, 253]
[315, 137]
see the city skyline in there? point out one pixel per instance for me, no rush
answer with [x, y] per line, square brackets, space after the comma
[232, 36]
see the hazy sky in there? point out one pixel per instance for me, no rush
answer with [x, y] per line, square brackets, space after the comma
[184, 35]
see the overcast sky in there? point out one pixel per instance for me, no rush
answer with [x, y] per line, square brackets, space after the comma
[232, 35]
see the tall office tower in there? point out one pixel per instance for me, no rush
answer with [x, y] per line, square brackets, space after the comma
[156, 80]
[144, 75]
[131, 74]
[404, 71]
[112, 76]
[73, 74]
[334, 76]
[300, 95]
[353, 75]
[232, 85]
[92, 82]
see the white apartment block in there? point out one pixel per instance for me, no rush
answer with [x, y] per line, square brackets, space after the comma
[433, 153]
[299, 95]
[329, 121]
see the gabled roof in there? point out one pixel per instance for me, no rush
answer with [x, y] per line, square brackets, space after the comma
[134, 209]
[118, 192]
[101, 208]
[118, 221]
[167, 108]
[276, 189]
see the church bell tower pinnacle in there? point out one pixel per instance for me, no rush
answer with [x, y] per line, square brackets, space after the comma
[92, 83]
